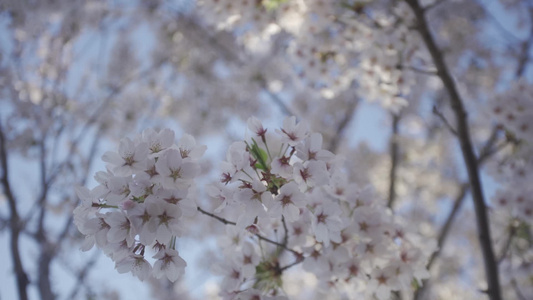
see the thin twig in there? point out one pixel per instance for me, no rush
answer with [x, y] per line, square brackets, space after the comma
[488, 149]
[394, 151]
[94, 117]
[90, 159]
[444, 120]
[443, 234]
[285, 231]
[226, 222]
[485, 153]
[298, 254]
[81, 274]
[491, 266]
[524, 56]
[421, 71]
[459, 199]
[506, 33]
[507, 244]
[517, 291]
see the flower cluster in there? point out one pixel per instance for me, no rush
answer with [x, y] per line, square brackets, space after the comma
[513, 111]
[287, 199]
[513, 202]
[139, 204]
[292, 203]
[376, 50]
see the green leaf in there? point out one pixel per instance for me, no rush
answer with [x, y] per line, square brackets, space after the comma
[260, 155]
[414, 284]
[272, 4]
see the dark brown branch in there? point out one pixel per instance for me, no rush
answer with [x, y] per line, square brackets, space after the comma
[46, 255]
[394, 149]
[14, 220]
[226, 222]
[491, 266]
[285, 231]
[485, 152]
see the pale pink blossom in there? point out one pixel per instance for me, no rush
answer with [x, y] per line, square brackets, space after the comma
[168, 264]
[129, 159]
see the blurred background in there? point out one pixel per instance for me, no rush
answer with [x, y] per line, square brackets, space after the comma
[76, 76]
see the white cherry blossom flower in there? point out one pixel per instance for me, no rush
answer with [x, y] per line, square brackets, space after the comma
[382, 282]
[121, 228]
[168, 264]
[129, 159]
[291, 132]
[311, 149]
[281, 166]
[327, 223]
[167, 218]
[189, 149]
[255, 125]
[248, 259]
[311, 173]
[119, 190]
[187, 205]
[158, 141]
[287, 203]
[144, 221]
[136, 264]
[174, 171]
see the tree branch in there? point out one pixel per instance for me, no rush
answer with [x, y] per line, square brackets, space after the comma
[444, 120]
[15, 224]
[394, 150]
[507, 244]
[443, 234]
[485, 153]
[81, 274]
[46, 255]
[491, 267]
[226, 222]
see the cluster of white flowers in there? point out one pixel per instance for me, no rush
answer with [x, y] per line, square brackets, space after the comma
[512, 202]
[331, 44]
[292, 203]
[140, 201]
[287, 200]
[513, 111]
